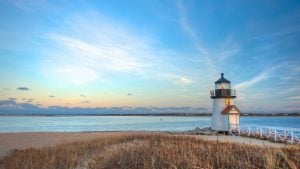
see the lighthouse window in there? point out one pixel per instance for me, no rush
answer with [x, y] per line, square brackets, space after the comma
[222, 86]
[227, 102]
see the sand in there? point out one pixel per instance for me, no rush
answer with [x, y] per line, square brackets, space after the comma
[241, 140]
[11, 141]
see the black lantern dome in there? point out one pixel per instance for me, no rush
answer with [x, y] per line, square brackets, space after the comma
[222, 79]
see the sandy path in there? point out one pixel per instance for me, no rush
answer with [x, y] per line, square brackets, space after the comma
[241, 140]
[11, 141]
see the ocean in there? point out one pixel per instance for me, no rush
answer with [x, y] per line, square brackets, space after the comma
[130, 123]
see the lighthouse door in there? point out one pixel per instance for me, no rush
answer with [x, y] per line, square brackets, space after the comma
[233, 121]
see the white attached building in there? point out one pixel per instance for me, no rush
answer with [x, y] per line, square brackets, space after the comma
[225, 115]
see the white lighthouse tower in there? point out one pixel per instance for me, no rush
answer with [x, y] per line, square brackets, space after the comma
[225, 115]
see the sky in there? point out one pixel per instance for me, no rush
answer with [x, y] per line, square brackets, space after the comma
[148, 54]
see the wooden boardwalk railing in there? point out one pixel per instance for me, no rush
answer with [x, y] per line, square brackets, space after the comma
[281, 135]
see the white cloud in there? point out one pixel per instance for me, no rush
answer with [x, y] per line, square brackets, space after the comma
[256, 79]
[291, 29]
[108, 56]
[228, 49]
[184, 23]
[95, 47]
[30, 5]
[226, 53]
[98, 46]
[185, 80]
[177, 79]
[294, 98]
[76, 74]
[205, 55]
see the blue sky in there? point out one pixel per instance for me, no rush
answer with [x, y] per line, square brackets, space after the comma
[149, 53]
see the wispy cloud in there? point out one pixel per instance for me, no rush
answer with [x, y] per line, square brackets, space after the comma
[177, 79]
[12, 98]
[185, 24]
[113, 55]
[185, 80]
[291, 29]
[23, 88]
[289, 90]
[108, 48]
[76, 74]
[85, 102]
[256, 79]
[228, 49]
[5, 91]
[294, 98]
[30, 5]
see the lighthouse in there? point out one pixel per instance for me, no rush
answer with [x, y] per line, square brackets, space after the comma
[225, 115]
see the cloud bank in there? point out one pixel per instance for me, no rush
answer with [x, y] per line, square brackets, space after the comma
[12, 107]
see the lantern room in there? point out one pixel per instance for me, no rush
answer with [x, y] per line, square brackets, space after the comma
[222, 83]
[222, 89]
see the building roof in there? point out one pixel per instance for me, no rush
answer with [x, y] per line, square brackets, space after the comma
[222, 79]
[230, 108]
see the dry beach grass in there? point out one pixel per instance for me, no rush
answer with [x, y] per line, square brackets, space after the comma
[142, 150]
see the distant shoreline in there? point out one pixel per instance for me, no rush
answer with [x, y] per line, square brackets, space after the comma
[158, 114]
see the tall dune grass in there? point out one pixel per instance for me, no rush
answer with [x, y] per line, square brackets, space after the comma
[153, 151]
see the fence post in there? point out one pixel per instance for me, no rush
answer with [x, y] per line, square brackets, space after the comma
[284, 134]
[249, 131]
[292, 139]
[275, 132]
[260, 132]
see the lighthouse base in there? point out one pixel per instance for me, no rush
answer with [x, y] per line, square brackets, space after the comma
[219, 121]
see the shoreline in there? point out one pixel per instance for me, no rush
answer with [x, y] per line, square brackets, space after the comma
[25, 140]
[160, 114]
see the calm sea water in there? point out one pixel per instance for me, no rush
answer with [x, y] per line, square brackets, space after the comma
[127, 123]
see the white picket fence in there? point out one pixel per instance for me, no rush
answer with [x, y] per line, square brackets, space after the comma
[281, 135]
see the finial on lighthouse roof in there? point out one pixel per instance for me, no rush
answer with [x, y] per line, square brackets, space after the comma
[222, 79]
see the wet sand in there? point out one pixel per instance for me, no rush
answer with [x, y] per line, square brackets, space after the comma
[11, 141]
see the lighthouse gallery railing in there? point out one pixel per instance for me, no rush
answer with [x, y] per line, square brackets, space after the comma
[222, 93]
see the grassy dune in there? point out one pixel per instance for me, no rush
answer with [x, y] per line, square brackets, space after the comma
[155, 151]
